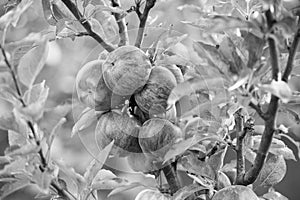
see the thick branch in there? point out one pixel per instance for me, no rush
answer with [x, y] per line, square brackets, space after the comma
[272, 47]
[73, 8]
[270, 115]
[292, 53]
[123, 33]
[264, 146]
[172, 177]
[240, 134]
[143, 19]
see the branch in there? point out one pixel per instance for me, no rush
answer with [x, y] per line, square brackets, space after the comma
[240, 135]
[143, 19]
[84, 22]
[172, 177]
[258, 109]
[13, 74]
[60, 191]
[272, 47]
[124, 39]
[44, 163]
[270, 115]
[292, 53]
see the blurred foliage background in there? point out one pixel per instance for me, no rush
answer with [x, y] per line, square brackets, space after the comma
[65, 59]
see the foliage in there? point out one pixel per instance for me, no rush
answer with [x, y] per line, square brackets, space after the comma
[235, 94]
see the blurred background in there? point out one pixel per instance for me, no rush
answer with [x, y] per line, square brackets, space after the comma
[65, 59]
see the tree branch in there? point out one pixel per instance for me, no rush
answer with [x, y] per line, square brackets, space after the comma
[84, 22]
[143, 19]
[172, 177]
[258, 109]
[272, 47]
[292, 53]
[270, 116]
[13, 74]
[240, 135]
[123, 33]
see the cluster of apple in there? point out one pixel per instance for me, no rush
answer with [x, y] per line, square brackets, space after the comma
[125, 76]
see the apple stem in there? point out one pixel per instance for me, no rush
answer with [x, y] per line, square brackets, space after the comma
[172, 177]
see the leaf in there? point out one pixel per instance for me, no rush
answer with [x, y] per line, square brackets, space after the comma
[16, 139]
[278, 147]
[274, 195]
[12, 187]
[24, 150]
[286, 152]
[53, 134]
[213, 56]
[86, 119]
[149, 194]
[15, 166]
[280, 89]
[223, 180]
[19, 48]
[52, 116]
[97, 163]
[70, 173]
[47, 10]
[109, 9]
[217, 159]
[286, 26]
[220, 23]
[97, 27]
[109, 184]
[254, 45]
[183, 145]
[272, 172]
[9, 122]
[194, 166]
[125, 188]
[189, 190]
[35, 99]
[43, 179]
[32, 63]
[204, 107]
[104, 174]
[8, 94]
[4, 160]
[12, 17]
[276, 143]
[229, 50]
[193, 84]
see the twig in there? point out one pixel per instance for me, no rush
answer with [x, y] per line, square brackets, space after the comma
[270, 115]
[123, 33]
[84, 22]
[44, 164]
[61, 192]
[13, 74]
[143, 19]
[258, 109]
[292, 53]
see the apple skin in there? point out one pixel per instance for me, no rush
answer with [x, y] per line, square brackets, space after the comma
[92, 90]
[152, 99]
[156, 137]
[126, 70]
[122, 129]
[235, 192]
